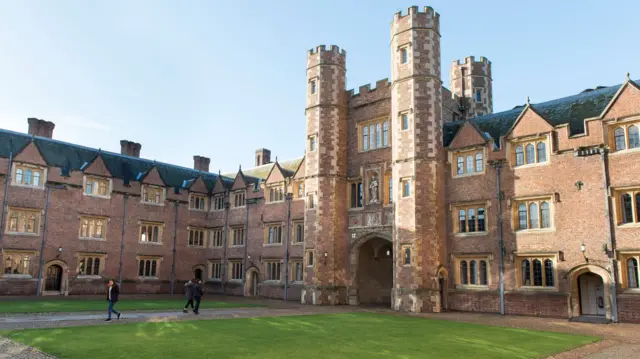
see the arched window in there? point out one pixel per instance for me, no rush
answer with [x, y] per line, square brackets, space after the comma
[379, 135]
[545, 215]
[89, 266]
[618, 136]
[479, 162]
[463, 221]
[36, 178]
[27, 177]
[473, 272]
[522, 216]
[464, 279]
[460, 168]
[299, 234]
[372, 137]
[526, 273]
[483, 273]
[519, 156]
[634, 137]
[147, 268]
[537, 272]
[531, 154]
[365, 138]
[627, 214]
[469, 164]
[481, 224]
[632, 272]
[407, 256]
[542, 152]
[548, 273]
[533, 215]
[141, 269]
[472, 220]
[19, 176]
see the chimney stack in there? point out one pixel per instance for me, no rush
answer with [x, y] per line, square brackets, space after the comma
[130, 148]
[201, 163]
[41, 128]
[263, 157]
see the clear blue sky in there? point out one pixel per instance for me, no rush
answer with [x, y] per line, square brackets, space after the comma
[222, 78]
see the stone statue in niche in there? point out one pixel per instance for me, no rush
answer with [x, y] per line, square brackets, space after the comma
[373, 189]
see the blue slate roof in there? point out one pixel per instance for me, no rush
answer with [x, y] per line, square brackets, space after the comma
[572, 110]
[71, 157]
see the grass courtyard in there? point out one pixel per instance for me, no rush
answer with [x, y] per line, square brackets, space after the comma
[57, 306]
[350, 335]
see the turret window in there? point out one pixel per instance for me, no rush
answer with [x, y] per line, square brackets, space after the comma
[312, 87]
[404, 56]
[478, 95]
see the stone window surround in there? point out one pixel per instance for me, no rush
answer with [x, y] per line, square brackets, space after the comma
[43, 178]
[7, 252]
[294, 239]
[403, 249]
[401, 188]
[408, 113]
[454, 209]
[278, 263]
[163, 194]
[109, 181]
[203, 199]
[239, 198]
[512, 204]
[157, 259]
[273, 197]
[105, 223]
[624, 123]
[400, 48]
[292, 265]
[381, 120]
[212, 264]
[523, 141]
[312, 139]
[85, 255]
[519, 257]
[160, 226]
[468, 257]
[206, 234]
[237, 263]
[218, 197]
[463, 153]
[218, 231]
[38, 218]
[277, 227]
[617, 207]
[313, 82]
[233, 229]
[622, 256]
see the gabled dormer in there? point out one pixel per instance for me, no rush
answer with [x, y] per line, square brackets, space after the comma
[198, 195]
[152, 187]
[29, 168]
[275, 184]
[468, 151]
[220, 189]
[238, 191]
[96, 180]
[529, 139]
[622, 119]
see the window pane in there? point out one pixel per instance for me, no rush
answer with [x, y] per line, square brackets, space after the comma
[632, 272]
[634, 137]
[627, 215]
[533, 215]
[405, 122]
[531, 154]
[153, 268]
[96, 266]
[372, 138]
[390, 190]
[519, 156]
[469, 164]
[479, 162]
[89, 266]
[147, 268]
[481, 226]
[407, 256]
[542, 152]
[379, 135]
[637, 207]
[522, 216]
[483, 273]
[472, 220]
[18, 175]
[141, 269]
[36, 178]
[385, 134]
[548, 272]
[464, 279]
[460, 168]
[407, 189]
[526, 274]
[463, 221]
[618, 135]
[472, 272]
[27, 177]
[365, 138]
[478, 95]
[545, 215]
[537, 272]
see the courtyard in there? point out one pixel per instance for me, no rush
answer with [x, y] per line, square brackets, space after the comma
[240, 328]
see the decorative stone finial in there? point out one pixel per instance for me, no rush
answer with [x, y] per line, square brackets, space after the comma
[240, 167]
[528, 102]
[276, 158]
[628, 77]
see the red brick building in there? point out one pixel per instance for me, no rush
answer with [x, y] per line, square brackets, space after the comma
[410, 194]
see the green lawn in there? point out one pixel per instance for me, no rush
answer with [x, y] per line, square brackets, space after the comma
[351, 335]
[78, 305]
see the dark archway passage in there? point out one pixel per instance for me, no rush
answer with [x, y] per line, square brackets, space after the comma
[53, 280]
[375, 272]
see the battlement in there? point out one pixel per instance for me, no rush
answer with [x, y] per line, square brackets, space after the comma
[471, 60]
[365, 89]
[428, 11]
[323, 48]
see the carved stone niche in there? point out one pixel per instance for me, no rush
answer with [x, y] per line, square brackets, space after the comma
[372, 181]
[374, 219]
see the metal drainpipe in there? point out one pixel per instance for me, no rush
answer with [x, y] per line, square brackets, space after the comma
[610, 240]
[498, 165]
[225, 243]
[44, 240]
[175, 239]
[4, 200]
[246, 245]
[286, 246]
[124, 225]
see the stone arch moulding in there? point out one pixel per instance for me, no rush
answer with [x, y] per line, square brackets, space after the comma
[353, 262]
[574, 297]
[249, 283]
[64, 281]
[363, 238]
[203, 268]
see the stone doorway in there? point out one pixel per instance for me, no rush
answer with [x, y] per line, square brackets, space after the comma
[53, 279]
[251, 283]
[373, 273]
[198, 274]
[591, 295]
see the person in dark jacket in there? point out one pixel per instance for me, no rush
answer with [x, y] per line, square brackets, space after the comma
[188, 291]
[113, 291]
[197, 295]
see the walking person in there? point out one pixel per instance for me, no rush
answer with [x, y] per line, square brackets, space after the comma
[112, 297]
[197, 295]
[188, 290]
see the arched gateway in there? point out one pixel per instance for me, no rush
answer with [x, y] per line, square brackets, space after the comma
[371, 270]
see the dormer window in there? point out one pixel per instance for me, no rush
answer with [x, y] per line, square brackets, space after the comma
[153, 195]
[97, 186]
[468, 163]
[197, 202]
[626, 137]
[530, 152]
[28, 175]
[276, 194]
[238, 199]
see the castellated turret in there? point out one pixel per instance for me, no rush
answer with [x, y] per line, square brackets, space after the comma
[470, 82]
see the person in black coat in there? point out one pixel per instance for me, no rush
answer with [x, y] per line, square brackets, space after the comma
[197, 295]
[188, 291]
[113, 292]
